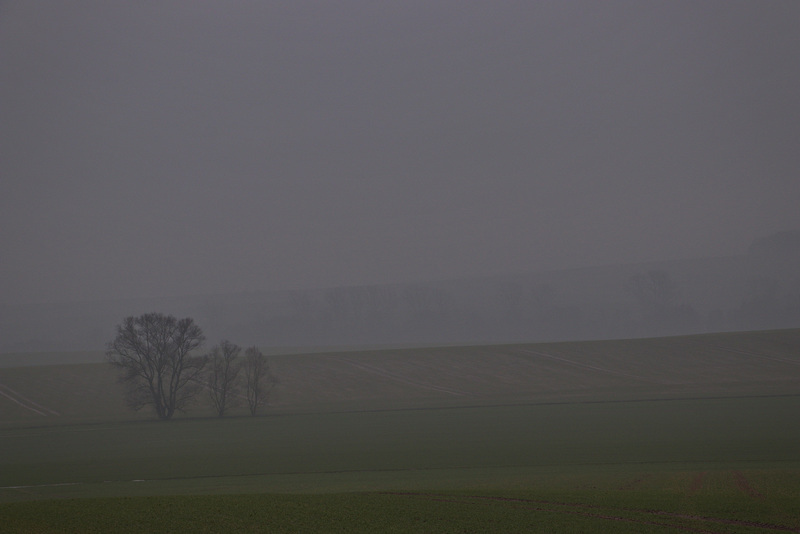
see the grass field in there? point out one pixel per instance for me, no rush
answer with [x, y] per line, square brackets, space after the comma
[694, 434]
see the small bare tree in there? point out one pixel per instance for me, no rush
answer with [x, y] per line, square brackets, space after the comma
[154, 353]
[259, 379]
[654, 290]
[221, 380]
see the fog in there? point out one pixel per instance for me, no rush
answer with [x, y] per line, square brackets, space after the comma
[152, 149]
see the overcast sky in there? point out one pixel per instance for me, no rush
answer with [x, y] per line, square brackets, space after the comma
[155, 148]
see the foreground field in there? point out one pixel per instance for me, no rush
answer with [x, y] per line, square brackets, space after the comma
[624, 436]
[378, 449]
[696, 465]
[661, 504]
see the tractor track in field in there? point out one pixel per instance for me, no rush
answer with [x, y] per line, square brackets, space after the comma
[744, 485]
[697, 482]
[601, 512]
[21, 400]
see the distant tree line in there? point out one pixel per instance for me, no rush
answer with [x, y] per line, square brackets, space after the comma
[158, 359]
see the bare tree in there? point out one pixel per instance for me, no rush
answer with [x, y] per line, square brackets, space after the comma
[259, 379]
[654, 290]
[221, 380]
[661, 312]
[154, 353]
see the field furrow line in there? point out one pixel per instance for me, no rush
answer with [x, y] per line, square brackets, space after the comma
[399, 378]
[586, 365]
[757, 355]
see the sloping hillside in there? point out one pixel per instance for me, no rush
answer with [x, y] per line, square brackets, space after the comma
[750, 363]
[708, 365]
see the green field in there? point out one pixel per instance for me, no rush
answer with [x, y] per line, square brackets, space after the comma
[695, 434]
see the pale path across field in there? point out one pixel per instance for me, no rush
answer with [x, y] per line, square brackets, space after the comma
[25, 402]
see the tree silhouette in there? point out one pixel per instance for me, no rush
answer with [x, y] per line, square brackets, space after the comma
[259, 379]
[223, 369]
[154, 353]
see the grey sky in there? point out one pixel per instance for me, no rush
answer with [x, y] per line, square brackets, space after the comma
[160, 148]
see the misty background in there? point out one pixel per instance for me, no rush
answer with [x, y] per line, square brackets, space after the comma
[303, 173]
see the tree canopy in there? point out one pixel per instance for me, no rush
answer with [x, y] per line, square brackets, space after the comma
[154, 353]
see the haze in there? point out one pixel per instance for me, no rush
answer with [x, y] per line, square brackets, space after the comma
[180, 148]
